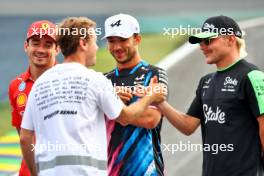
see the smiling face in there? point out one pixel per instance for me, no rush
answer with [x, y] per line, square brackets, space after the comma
[217, 50]
[41, 51]
[123, 50]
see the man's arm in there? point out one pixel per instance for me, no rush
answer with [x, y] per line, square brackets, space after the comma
[12, 101]
[255, 99]
[18, 131]
[27, 143]
[132, 114]
[149, 119]
[152, 116]
[183, 122]
[129, 114]
[261, 130]
[124, 93]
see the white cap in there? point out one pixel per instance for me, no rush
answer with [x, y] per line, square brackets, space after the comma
[121, 25]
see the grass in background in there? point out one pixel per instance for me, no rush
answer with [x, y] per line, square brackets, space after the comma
[153, 48]
[5, 118]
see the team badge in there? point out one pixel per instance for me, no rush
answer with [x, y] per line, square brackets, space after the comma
[22, 86]
[45, 26]
[21, 99]
[117, 23]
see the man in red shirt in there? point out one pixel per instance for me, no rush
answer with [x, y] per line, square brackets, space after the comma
[41, 49]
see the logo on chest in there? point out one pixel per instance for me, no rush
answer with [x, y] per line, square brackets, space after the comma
[21, 100]
[218, 115]
[206, 83]
[22, 86]
[229, 84]
[139, 80]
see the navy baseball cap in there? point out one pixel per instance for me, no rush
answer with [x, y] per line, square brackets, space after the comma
[215, 26]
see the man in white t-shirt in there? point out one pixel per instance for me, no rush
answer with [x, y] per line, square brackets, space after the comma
[66, 109]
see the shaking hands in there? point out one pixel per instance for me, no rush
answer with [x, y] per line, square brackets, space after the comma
[158, 92]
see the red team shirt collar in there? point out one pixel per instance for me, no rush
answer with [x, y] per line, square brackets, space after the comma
[27, 76]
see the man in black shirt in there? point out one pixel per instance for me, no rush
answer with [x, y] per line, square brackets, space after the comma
[133, 149]
[229, 104]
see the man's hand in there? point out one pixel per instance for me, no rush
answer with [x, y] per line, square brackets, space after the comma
[157, 91]
[26, 143]
[140, 91]
[124, 93]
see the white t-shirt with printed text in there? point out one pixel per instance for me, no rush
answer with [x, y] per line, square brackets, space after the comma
[66, 110]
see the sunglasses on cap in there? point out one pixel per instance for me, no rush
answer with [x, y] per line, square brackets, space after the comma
[208, 41]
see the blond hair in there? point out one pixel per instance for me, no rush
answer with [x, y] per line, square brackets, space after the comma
[241, 45]
[70, 31]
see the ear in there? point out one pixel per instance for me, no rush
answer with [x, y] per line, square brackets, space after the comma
[83, 44]
[26, 43]
[232, 39]
[57, 50]
[138, 39]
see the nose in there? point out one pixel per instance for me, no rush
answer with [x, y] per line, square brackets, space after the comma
[116, 46]
[202, 45]
[40, 48]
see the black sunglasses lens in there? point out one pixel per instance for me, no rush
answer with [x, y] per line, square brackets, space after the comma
[207, 41]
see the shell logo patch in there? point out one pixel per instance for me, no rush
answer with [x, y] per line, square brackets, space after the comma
[45, 26]
[21, 99]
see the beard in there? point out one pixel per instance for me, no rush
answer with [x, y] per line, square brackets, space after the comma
[129, 57]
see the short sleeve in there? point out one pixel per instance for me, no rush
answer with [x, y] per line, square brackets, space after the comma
[254, 89]
[108, 100]
[16, 117]
[162, 77]
[196, 108]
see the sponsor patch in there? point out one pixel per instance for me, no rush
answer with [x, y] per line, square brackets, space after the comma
[45, 26]
[21, 100]
[22, 86]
